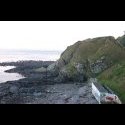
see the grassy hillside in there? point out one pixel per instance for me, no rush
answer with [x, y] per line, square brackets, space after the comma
[114, 77]
[93, 49]
[121, 40]
[90, 51]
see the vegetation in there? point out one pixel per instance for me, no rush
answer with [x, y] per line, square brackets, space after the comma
[90, 51]
[93, 50]
[121, 40]
[114, 77]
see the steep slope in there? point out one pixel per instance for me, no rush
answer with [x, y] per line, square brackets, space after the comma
[114, 77]
[89, 58]
[121, 40]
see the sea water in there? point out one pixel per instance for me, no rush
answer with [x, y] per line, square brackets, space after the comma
[4, 76]
[23, 55]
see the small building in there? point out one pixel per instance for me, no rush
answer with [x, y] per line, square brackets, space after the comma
[104, 95]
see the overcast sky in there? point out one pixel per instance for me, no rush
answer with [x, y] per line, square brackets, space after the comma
[54, 35]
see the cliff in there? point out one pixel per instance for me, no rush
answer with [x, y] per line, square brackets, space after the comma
[88, 58]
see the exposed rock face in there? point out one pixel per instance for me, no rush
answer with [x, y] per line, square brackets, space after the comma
[53, 69]
[80, 68]
[99, 66]
[74, 72]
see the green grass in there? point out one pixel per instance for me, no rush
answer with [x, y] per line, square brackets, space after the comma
[71, 70]
[122, 40]
[114, 78]
[93, 50]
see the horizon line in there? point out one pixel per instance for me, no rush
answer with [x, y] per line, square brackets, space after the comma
[21, 49]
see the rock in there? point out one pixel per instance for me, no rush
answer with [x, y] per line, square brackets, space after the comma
[103, 57]
[53, 69]
[24, 90]
[14, 89]
[48, 91]
[99, 65]
[80, 68]
[82, 91]
[73, 100]
[37, 93]
[42, 69]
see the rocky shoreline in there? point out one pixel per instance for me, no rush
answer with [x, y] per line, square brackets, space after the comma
[41, 88]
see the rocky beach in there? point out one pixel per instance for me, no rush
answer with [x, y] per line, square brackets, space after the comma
[40, 87]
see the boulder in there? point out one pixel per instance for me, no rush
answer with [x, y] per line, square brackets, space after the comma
[14, 89]
[53, 69]
[42, 69]
[37, 93]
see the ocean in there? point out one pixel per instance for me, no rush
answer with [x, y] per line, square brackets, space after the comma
[23, 55]
[4, 76]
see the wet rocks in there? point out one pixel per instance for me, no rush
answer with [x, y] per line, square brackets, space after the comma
[13, 89]
[53, 69]
[37, 93]
[42, 69]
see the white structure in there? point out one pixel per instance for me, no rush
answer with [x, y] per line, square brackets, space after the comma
[104, 95]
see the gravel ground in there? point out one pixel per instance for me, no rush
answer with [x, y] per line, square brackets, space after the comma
[75, 93]
[64, 94]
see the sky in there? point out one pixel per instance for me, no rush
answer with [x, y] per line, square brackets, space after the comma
[54, 35]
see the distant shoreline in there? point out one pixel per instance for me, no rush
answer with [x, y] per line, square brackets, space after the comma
[26, 55]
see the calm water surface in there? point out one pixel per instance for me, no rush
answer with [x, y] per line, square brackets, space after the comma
[23, 55]
[4, 76]
[13, 56]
